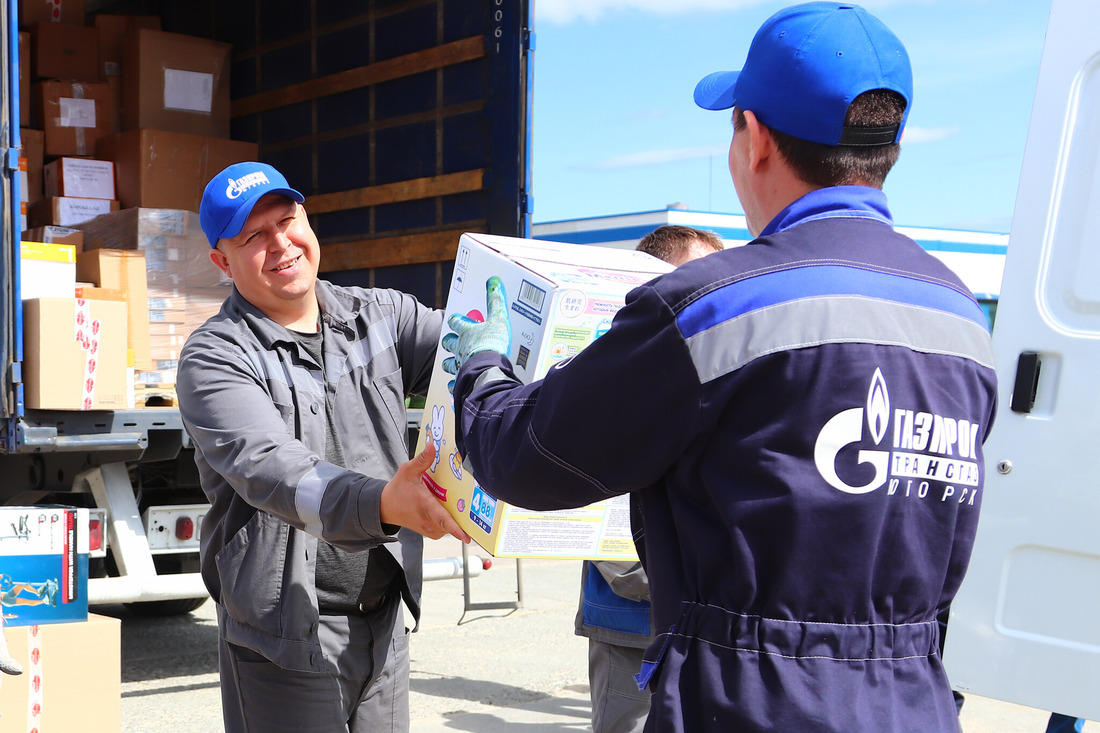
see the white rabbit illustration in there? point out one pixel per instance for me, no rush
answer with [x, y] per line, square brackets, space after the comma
[436, 429]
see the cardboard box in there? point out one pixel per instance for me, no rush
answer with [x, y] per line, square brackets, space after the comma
[23, 186]
[175, 82]
[79, 177]
[61, 372]
[177, 254]
[32, 148]
[72, 677]
[55, 235]
[65, 51]
[44, 568]
[91, 292]
[158, 169]
[58, 11]
[46, 270]
[560, 298]
[67, 211]
[113, 30]
[73, 115]
[122, 269]
[25, 79]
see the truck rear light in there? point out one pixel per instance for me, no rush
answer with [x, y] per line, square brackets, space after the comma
[95, 534]
[185, 528]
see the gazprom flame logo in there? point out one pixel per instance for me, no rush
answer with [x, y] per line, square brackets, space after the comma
[848, 427]
[238, 186]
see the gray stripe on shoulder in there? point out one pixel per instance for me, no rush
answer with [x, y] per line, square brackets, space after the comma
[310, 492]
[808, 322]
[271, 368]
[378, 340]
[496, 374]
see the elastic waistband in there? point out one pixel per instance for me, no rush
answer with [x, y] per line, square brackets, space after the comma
[805, 639]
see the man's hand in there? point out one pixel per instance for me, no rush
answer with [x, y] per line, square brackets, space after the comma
[408, 502]
[470, 336]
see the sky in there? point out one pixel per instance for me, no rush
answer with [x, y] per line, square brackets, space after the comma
[615, 130]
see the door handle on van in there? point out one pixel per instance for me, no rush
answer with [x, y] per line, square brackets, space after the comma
[1027, 382]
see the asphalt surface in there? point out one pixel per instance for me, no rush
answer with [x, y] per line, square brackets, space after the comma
[514, 670]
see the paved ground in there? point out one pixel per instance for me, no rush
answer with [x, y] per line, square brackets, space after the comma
[479, 671]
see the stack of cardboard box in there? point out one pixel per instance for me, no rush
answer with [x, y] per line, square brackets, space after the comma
[122, 125]
[184, 287]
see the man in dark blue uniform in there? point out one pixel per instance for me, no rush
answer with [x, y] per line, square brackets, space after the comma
[799, 421]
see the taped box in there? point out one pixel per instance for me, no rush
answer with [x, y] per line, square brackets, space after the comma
[560, 298]
[43, 564]
[71, 681]
[74, 354]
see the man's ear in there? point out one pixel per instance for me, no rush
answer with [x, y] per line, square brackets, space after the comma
[221, 261]
[761, 143]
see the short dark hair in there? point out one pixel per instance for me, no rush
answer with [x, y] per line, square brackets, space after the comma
[843, 165]
[669, 240]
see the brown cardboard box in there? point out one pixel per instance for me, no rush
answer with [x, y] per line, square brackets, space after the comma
[79, 177]
[58, 11]
[172, 81]
[72, 114]
[23, 203]
[65, 51]
[74, 680]
[67, 211]
[25, 79]
[85, 373]
[91, 292]
[121, 269]
[177, 254]
[113, 30]
[158, 169]
[31, 144]
[112, 35]
[55, 235]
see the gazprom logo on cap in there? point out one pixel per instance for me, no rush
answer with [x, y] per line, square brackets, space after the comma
[242, 184]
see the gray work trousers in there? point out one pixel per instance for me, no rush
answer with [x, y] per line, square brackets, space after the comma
[258, 696]
[618, 706]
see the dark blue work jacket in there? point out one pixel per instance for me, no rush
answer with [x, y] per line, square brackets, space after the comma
[801, 421]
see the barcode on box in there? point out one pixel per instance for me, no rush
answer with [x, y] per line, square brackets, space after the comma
[531, 296]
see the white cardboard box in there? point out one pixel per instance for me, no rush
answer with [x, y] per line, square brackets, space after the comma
[46, 270]
[80, 177]
[560, 297]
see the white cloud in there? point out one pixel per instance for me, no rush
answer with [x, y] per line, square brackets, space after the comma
[915, 135]
[659, 157]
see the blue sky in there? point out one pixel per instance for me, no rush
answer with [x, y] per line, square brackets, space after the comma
[615, 130]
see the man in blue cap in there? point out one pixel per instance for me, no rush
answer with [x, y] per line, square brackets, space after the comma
[294, 399]
[799, 421]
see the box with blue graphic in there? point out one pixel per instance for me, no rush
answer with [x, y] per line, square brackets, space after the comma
[43, 564]
[559, 298]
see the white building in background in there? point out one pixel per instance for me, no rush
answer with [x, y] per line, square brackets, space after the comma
[977, 257]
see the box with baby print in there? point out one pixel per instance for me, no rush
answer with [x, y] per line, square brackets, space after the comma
[559, 298]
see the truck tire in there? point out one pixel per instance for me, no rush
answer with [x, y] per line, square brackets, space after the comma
[176, 607]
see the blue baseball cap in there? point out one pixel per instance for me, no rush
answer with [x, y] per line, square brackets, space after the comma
[805, 66]
[229, 197]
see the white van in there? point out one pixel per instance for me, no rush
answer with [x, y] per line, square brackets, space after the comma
[1025, 626]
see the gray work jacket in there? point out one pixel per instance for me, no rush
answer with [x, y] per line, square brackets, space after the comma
[253, 404]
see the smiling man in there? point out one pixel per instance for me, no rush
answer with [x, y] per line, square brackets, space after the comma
[294, 398]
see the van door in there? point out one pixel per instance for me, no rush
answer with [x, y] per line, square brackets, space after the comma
[1024, 627]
